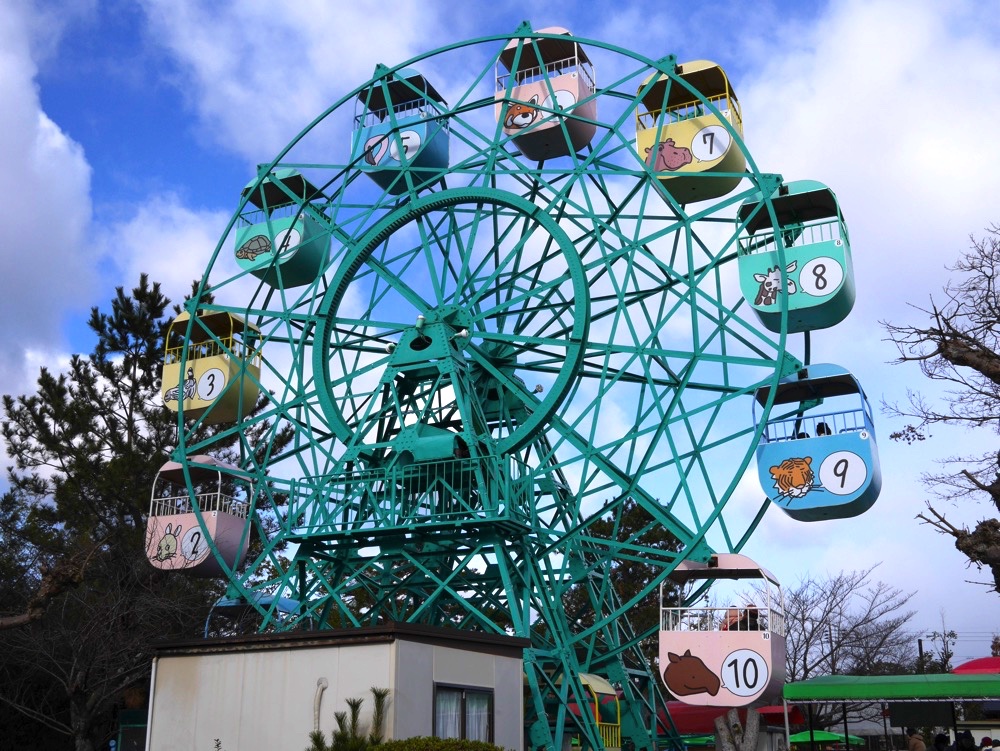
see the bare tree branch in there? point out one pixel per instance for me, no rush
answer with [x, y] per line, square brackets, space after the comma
[846, 624]
[66, 574]
[960, 346]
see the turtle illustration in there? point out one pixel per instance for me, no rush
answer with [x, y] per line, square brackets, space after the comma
[255, 246]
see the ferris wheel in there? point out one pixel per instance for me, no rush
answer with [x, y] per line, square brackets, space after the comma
[489, 301]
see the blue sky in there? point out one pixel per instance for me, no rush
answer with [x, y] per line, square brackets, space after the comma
[129, 128]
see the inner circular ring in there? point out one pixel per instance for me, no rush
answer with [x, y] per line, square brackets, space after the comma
[468, 289]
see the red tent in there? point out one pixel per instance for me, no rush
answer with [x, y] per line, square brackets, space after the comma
[695, 720]
[979, 665]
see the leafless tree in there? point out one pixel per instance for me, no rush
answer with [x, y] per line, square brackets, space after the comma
[52, 581]
[69, 668]
[960, 346]
[847, 624]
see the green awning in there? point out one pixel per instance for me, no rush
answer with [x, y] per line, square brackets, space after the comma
[824, 736]
[939, 687]
[698, 740]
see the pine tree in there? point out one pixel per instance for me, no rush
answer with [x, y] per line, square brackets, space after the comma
[87, 606]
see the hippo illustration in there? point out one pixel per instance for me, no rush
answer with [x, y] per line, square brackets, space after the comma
[687, 674]
[668, 157]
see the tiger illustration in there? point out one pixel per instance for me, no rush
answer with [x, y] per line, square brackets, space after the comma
[794, 477]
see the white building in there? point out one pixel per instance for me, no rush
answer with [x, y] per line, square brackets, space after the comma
[268, 692]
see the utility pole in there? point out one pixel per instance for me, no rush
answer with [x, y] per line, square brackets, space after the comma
[833, 651]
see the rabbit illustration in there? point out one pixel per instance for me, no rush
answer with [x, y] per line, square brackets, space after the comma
[167, 546]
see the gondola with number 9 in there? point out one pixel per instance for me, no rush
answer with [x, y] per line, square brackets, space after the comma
[819, 459]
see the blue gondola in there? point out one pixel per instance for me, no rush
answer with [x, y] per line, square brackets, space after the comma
[819, 460]
[278, 240]
[819, 276]
[400, 131]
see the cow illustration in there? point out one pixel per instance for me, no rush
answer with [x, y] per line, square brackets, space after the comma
[686, 674]
[770, 283]
[668, 157]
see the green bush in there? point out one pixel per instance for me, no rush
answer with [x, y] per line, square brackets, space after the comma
[427, 743]
[350, 735]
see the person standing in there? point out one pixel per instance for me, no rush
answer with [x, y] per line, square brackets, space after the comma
[965, 742]
[915, 741]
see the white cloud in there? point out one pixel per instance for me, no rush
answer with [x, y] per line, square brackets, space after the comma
[48, 263]
[888, 104]
[168, 241]
[885, 102]
[256, 77]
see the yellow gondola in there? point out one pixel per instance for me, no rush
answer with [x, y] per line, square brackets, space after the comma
[684, 131]
[215, 373]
